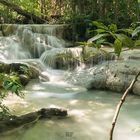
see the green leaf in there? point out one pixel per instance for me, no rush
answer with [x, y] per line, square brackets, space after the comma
[136, 31]
[99, 25]
[117, 47]
[14, 88]
[98, 46]
[7, 85]
[137, 43]
[100, 30]
[100, 41]
[128, 31]
[127, 42]
[113, 27]
[98, 36]
[82, 43]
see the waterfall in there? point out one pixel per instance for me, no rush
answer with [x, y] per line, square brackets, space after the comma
[46, 42]
[30, 41]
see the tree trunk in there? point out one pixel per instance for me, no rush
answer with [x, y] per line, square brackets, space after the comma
[20, 11]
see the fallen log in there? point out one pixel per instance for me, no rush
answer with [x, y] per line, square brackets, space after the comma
[20, 11]
[14, 122]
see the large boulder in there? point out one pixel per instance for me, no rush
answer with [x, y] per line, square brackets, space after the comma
[112, 75]
[25, 71]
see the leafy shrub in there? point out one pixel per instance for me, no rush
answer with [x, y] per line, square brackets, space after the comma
[8, 83]
[114, 37]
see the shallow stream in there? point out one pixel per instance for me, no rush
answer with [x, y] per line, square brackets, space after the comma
[89, 112]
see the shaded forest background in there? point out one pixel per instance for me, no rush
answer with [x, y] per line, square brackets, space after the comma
[120, 12]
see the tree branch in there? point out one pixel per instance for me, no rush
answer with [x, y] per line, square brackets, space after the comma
[120, 105]
[20, 11]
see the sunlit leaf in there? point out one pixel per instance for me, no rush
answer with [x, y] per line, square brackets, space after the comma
[99, 25]
[100, 30]
[128, 31]
[117, 47]
[136, 31]
[137, 43]
[98, 36]
[127, 42]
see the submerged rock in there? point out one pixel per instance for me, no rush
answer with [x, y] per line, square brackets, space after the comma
[20, 121]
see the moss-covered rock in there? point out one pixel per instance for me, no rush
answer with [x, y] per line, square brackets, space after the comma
[14, 122]
[8, 29]
[24, 71]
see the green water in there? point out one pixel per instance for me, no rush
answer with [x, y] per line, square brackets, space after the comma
[90, 114]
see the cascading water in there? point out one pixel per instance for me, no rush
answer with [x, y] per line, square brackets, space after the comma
[90, 112]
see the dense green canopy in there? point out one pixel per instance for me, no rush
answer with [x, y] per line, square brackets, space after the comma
[121, 12]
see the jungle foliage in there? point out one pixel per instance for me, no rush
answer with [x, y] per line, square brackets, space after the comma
[8, 83]
[113, 36]
[120, 12]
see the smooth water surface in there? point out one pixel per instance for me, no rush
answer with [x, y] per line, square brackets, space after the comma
[90, 114]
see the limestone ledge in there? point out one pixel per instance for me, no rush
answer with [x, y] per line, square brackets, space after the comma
[113, 75]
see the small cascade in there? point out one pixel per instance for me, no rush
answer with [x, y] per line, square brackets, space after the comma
[38, 39]
[62, 58]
